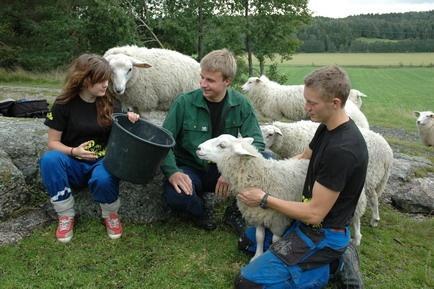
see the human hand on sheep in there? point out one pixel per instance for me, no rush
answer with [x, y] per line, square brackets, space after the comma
[222, 188]
[182, 183]
[132, 116]
[251, 196]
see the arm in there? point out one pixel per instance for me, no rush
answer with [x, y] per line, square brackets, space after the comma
[250, 128]
[312, 212]
[54, 143]
[305, 155]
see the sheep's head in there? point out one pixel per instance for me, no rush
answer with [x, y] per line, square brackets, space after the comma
[217, 149]
[424, 118]
[122, 70]
[356, 96]
[270, 133]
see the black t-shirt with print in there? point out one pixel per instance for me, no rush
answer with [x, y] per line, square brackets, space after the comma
[339, 161]
[77, 120]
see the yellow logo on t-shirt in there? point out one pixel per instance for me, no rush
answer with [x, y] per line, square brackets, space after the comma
[50, 116]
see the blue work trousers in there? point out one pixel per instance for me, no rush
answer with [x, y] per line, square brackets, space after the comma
[61, 172]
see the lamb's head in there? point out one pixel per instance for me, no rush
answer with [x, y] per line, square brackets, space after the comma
[218, 149]
[424, 118]
[122, 70]
[270, 133]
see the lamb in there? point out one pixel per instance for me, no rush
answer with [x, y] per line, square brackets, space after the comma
[277, 101]
[356, 97]
[289, 139]
[149, 79]
[243, 166]
[425, 125]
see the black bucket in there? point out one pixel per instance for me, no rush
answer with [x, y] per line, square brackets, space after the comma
[135, 150]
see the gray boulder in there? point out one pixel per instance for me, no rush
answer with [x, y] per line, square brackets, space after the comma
[418, 199]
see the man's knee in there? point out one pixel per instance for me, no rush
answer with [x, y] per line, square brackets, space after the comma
[242, 283]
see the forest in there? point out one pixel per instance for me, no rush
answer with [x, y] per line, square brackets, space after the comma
[46, 34]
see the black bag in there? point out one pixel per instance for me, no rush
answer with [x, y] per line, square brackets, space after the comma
[29, 108]
[5, 106]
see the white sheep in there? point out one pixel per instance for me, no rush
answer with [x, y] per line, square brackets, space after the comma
[289, 139]
[425, 125]
[356, 97]
[277, 101]
[243, 166]
[149, 79]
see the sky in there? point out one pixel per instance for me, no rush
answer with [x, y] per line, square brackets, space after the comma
[343, 8]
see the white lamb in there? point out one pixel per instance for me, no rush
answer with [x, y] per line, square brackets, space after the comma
[243, 166]
[356, 97]
[425, 125]
[149, 79]
[289, 139]
[277, 101]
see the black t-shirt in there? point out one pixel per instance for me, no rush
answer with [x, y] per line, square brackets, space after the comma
[339, 161]
[215, 110]
[77, 120]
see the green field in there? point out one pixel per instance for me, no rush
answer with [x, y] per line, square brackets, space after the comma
[172, 254]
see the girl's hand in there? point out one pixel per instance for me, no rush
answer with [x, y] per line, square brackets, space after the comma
[81, 152]
[132, 116]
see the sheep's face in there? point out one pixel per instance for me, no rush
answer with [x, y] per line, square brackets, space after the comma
[356, 97]
[122, 67]
[252, 81]
[216, 149]
[424, 118]
[270, 133]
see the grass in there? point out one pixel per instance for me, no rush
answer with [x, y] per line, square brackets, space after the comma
[172, 254]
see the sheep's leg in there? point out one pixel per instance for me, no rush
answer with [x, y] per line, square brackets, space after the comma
[275, 238]
[357, 234]
[260, 236]
[373, 203]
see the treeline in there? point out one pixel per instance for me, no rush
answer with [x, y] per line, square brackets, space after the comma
[45, 34]
[394, 32]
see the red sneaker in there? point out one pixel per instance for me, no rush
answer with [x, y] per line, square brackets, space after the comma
[113, 226]
[65, 229]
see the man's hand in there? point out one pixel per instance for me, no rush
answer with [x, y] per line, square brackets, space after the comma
[222, 188]
[251, 196]
[182, 183]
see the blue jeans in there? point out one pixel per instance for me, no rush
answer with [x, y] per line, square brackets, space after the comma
[203, 181]
[61, 172]
[274, 272]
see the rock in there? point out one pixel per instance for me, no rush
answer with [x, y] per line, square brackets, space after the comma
[13, 188]
[418, 199]
[23, 142]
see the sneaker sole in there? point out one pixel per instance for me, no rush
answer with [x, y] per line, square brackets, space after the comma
[114, 237]
[64, 240]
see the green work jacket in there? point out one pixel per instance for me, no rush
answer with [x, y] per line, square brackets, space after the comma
[189, 122]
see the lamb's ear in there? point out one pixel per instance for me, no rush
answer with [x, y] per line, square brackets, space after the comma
[239, 150]
[139, 63]
[416, 113]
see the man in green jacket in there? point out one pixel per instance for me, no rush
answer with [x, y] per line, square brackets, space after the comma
[195, 117]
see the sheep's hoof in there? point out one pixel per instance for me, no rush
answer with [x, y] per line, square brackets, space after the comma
[374, 222]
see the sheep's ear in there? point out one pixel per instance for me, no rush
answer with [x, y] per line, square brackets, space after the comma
[278, 131]
[239, 150]
[416, 113]
[258, 80]
[249, 140]
[139, 63]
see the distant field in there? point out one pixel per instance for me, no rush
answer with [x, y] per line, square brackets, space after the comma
[361, 59]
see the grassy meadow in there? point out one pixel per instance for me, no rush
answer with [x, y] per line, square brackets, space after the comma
[172, 254]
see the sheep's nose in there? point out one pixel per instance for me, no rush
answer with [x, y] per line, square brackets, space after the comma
[418, 122]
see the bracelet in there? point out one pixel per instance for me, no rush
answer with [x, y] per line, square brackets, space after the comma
[263, 203]
[71, 152]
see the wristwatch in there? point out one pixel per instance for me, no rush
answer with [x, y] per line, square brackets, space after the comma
[263, 203]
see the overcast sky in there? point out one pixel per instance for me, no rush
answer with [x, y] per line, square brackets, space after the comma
[343, 8]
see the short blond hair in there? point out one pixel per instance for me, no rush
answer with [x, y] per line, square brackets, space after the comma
[220, 60]
[330, 81]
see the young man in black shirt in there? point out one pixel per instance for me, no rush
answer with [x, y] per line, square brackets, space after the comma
[335, 179]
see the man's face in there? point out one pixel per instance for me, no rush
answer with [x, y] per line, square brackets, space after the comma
[318, 109]
[213, 85]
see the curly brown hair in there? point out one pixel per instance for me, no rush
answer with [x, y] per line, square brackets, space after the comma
[87, 70]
